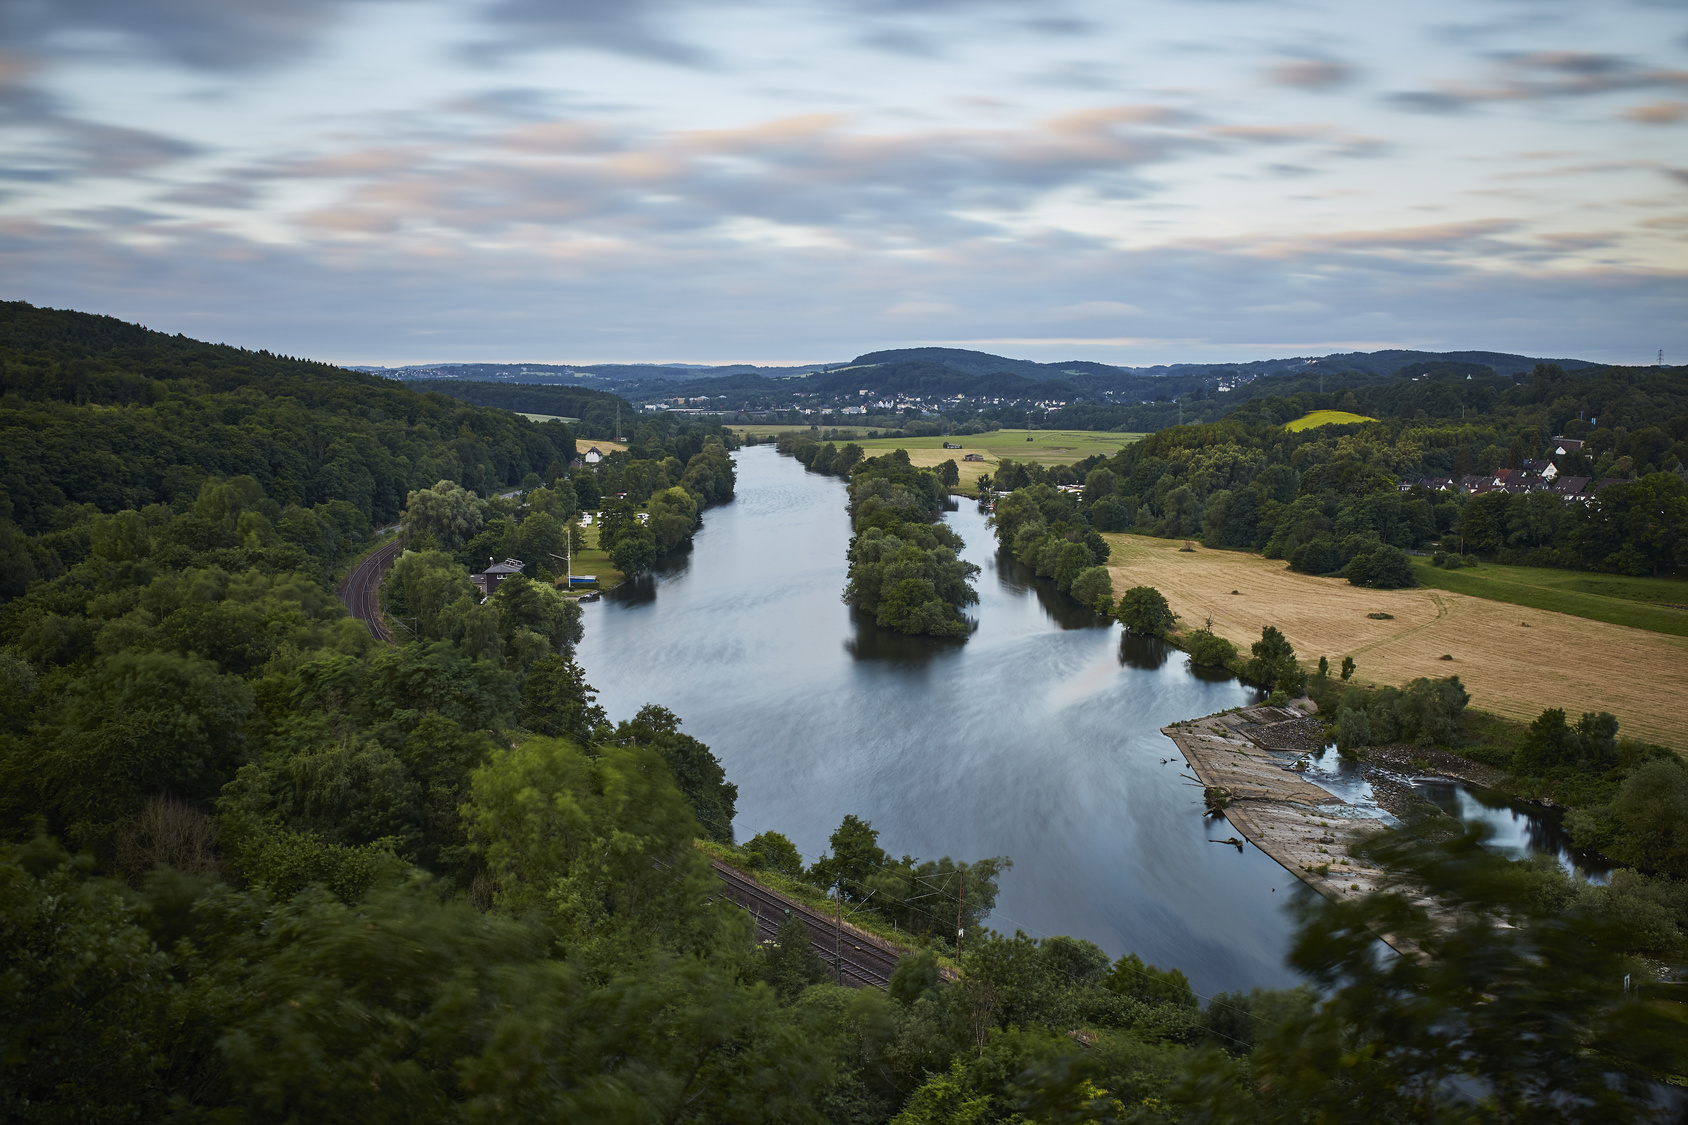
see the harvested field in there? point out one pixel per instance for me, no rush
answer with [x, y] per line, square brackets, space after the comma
[1514, 660]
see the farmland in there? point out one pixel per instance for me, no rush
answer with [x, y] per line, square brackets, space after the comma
[1325, 418]
[1514, 660]
[1046, 447]
[1655, 604]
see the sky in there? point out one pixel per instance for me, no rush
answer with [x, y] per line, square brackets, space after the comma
[1134, 182]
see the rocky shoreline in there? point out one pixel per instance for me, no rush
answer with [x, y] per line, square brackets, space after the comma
[1251, 766]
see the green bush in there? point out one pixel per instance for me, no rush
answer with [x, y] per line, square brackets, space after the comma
[1144, 610]
[1208, 650]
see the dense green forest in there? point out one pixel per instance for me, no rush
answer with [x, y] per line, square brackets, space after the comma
[600, 412]
[257, 866]
[1329, 499]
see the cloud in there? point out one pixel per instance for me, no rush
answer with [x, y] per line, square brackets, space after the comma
[216, 193]
[807, 171]
[63, 148]
[638, 28]
[1542, 75]
[219, 35]
[1311, 74]
[698, 298]
[1656, 113]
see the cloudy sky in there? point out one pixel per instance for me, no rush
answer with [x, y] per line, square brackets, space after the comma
[1132, 181]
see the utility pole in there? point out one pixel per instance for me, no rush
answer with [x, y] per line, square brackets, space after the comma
[838, 930]
[960, 888]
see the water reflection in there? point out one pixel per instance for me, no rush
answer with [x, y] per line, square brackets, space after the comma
[1060, 608]
[872, 642]
[638, 590]
[1145, 653]
[1517, 828]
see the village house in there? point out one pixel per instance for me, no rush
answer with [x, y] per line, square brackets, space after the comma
[487, 581]
[594, 455]
[974, 457]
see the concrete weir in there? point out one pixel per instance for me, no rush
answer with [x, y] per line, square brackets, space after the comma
[1245, 761]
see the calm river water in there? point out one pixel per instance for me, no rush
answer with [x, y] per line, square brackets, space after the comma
[1037, 738]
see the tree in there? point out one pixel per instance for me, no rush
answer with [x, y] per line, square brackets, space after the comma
[790, 964]
[1274, 663]
[1383, 567]
[856, 855]
[557, 700]
[1353, 730]
[695, 768]
[773, 852]
[447, 513]
[635, 550]
[600, 846]
[1209, 650]
[429, 593]
[1507, 1010]
[535, 619]
[1094, 587]
[1347, 667]
[1144, 610]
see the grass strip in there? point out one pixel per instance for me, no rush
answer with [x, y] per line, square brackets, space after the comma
[1539, 594]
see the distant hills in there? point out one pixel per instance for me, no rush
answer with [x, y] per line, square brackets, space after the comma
[964, 362]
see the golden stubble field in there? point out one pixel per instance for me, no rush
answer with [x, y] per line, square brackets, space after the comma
[1514, 661]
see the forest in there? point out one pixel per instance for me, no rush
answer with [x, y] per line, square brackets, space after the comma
[257, 866]
[1346, 499]
[598, 411]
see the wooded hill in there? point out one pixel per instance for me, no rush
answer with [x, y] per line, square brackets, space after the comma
[97, 412]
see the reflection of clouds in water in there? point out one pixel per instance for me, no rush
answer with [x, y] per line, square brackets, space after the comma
[1092, 678]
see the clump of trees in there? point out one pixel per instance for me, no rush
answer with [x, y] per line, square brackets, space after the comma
[1050, 532]
[904, 567]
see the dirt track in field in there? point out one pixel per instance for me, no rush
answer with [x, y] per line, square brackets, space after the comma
[1514, 661]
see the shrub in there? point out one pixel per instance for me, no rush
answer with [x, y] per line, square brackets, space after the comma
[1382, 568]
[1093, 587]
[1208, 650]
[1353, 730]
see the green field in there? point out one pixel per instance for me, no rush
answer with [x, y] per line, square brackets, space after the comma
[1325, 418]
[1642, 603]
[1046, 447]
[1050, 447]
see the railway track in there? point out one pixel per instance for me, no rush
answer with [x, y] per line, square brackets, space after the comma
[857, 959]
[360, 592]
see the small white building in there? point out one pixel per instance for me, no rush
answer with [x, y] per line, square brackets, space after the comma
[594, 455]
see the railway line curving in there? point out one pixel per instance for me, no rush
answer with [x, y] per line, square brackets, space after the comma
[360, 593]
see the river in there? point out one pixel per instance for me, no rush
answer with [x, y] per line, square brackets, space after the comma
[1036, 738]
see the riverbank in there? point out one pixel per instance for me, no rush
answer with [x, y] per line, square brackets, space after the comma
[1245, 761]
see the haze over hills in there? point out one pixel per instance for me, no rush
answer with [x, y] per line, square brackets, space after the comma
[966, 362]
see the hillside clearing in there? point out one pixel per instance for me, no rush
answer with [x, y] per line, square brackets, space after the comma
[1325, 418]
[1515, 661]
